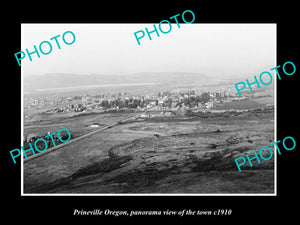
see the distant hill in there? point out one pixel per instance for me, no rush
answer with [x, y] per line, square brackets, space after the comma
[50, 81]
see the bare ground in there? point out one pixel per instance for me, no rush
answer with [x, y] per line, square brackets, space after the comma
[187, 155]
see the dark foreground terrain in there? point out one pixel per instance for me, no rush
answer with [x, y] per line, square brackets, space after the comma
[173, 154]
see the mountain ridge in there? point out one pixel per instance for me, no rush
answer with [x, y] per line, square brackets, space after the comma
[61, 80]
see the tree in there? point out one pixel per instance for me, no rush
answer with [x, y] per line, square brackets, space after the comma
[188, 112]
[126, 103]
[104, 104]
[218, 96]
[205, 97]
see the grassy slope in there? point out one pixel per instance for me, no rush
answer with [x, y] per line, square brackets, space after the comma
[119, 161]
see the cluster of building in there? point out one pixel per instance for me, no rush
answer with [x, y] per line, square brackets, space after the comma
[177, 99]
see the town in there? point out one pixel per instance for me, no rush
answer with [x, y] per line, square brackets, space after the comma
[107, 102]
[176, 131]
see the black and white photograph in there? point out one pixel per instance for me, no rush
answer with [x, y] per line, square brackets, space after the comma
[149, 113]
[161, 116]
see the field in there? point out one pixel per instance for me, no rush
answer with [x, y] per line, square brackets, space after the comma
[175, 154]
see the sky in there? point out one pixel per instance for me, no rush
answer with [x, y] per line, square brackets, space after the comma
[220, 50]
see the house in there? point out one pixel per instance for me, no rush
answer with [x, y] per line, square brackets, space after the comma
[145, 115]
[95, 125]
[168, 113]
